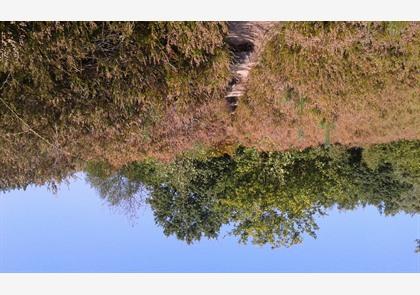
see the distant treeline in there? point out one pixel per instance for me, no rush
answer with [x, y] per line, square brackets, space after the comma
[269, 197]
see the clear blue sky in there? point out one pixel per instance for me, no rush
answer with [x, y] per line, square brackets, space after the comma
[75, 231]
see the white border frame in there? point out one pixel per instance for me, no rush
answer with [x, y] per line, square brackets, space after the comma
[175, 10]
[184, 284]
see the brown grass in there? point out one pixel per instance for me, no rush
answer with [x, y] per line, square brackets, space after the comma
[356, 81]
[349, 83]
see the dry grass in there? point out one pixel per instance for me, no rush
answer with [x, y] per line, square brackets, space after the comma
[348, 83]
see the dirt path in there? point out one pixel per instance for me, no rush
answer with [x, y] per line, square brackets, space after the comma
[246, 40]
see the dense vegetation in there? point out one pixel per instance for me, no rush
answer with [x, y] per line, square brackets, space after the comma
[140, 106]
[353, 83]
[269, 197]
[123, 91]
[71, 91]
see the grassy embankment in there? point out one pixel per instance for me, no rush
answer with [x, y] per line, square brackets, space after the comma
[350, 83]
[121, 92]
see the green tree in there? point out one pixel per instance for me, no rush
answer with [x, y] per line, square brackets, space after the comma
[269, 198]
[185, 203]
[401, 161]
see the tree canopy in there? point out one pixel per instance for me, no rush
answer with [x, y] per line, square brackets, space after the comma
[270, 198]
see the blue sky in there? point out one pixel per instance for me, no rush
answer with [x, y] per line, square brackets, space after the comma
[75, 231]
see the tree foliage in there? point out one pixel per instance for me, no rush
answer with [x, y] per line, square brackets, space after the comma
[269, 198]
